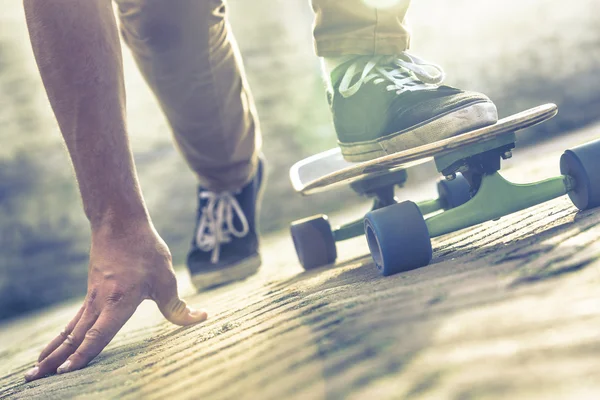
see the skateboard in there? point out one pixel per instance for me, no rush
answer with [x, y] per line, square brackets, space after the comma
[471, 192]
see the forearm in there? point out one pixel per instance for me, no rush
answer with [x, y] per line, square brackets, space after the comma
[77, 49]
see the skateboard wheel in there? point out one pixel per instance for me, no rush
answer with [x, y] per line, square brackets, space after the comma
[314, 241]
[398, 238]
[455, 192]
[583, 164]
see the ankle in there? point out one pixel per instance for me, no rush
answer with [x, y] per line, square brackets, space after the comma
[330, 65]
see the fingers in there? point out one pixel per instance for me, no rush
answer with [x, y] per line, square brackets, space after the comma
[70, 342]
[98, 337]
[96, 323]
[57, 341]
[91, 333]
[172, 307]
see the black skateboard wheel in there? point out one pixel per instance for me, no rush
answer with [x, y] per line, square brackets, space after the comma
[583, 164]
[455, 192]
[314, 241]
[398, 238]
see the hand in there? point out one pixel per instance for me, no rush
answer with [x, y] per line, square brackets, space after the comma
[125, 268]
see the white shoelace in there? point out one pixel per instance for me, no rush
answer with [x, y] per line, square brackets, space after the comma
[404, 72]
[216, 223]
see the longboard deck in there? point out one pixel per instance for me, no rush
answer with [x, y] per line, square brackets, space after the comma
[327, 170]
[313, 168]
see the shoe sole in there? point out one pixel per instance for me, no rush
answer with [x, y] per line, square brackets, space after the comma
[455, 122]
[224, 275]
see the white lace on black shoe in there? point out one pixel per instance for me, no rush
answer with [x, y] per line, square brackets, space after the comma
[225, 243]
[216, 225]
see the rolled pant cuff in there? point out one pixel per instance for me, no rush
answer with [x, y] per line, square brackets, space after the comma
[229, 178]
[387, 45]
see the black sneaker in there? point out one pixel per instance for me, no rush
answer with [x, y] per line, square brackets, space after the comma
[225, 246]
[382, 105]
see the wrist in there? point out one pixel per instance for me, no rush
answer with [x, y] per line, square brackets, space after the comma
[131, 234]
[120, 222]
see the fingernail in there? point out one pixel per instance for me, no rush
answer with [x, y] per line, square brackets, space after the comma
[64, 368]
[31, 373]
[198, 313]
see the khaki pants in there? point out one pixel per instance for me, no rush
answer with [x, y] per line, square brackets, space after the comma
[189, 57]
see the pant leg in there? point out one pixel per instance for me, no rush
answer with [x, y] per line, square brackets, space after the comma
[189, 57]
[365, 27]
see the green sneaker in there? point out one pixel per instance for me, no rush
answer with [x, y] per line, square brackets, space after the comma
[382, 105]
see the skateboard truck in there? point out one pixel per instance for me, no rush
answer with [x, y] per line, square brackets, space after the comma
[492, 196]
[476, 161]
[315, 239]
[382, 195]
[381, 189]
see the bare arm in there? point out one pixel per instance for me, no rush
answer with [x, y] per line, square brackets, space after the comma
[77, 50]
[79, 56]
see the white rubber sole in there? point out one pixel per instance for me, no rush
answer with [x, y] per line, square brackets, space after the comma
[224, 275]
[459, 121]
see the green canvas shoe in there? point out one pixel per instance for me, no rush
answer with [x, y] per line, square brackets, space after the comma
[382, 105]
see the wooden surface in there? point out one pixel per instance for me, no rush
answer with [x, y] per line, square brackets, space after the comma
[507, 309]
[356, 171]
[306, 171]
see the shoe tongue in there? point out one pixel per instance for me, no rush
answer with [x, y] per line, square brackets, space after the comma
[361, 61]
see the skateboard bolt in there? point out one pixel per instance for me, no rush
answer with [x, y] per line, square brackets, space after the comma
[507, 155]
[451, 177]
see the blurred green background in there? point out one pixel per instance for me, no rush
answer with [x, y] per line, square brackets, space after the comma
[521, 53]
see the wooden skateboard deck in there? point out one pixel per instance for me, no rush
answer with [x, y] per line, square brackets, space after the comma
[327, 170]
